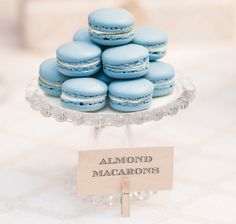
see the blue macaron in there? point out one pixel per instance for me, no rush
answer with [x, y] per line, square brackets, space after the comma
[130, 95]
[111, 26]
[78, 59]
[161, 75]
[84, 94]
[82, 35]
[50, 80]
[103, 77]
[125, 62]
[153, 39]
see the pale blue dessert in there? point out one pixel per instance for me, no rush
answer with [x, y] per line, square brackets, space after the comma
[125, 62]
[111, 26]
[161, 75]
[78, 59]
[130, 95]
[82, 35]
[153, 39]
[84, 94]
[103, 77]
[50, 80]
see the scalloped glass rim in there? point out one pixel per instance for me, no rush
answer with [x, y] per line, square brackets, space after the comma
[50, 107]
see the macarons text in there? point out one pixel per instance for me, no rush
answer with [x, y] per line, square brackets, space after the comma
[139, 170]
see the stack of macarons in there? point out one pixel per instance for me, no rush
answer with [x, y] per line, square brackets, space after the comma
[109, 63]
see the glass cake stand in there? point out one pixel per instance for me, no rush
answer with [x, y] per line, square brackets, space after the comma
[161, 107]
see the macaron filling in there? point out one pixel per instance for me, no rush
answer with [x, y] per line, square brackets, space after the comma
[163, 84]
[129, 101]
[111, 32]
[79, 66]
[155, 49]
[82, 100]
[49, 84]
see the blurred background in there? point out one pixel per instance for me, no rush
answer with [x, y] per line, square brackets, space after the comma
[38, 156]
[31, 30]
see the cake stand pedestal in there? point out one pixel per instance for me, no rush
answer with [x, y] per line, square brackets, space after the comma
[161, 107]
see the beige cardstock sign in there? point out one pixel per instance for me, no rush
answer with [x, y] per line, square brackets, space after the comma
[102, 171]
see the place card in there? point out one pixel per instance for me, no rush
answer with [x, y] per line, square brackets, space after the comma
[145, 169]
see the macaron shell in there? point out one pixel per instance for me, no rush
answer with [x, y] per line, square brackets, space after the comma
[111, 26]
[49, 76]
[131, 88]
[137, 89]
[124, 108]
[153, 57]
[126, 75]
[161, 73]
[149, 36]
[84, 108]
[103, 77]
[78, 51]
[48, 71]
[110, 18]
[125, 54]
[83, 73]
[82, 35]
[165, 91]
[49, 90]
[106, 41]
[160, 70]
[84, 87]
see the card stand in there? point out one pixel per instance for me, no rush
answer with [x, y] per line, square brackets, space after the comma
[125, 198]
